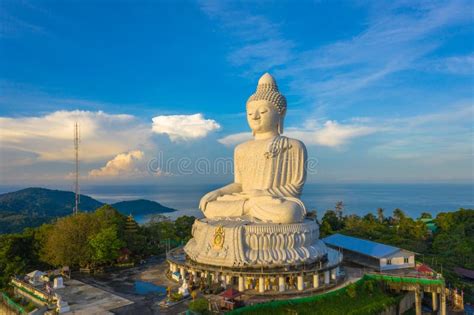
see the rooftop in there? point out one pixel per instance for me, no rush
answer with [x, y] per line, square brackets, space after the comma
[366, 247]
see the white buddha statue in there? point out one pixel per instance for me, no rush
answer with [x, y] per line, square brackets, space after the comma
[269, 170]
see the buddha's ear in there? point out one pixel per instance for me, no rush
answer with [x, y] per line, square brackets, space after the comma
[280, 125]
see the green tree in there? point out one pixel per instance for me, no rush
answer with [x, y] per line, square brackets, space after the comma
[370, 217]
[105, 245]
[339, 209]
[14, 255]
[67, 244]
[380, 216]
[108, 216]
[167, 230]
[398, 215]
[183, 226]
[19, 253]
[200, 306]
[325, 229]
[331, 217]
[158, 235]
[137, 244]
[426, 215]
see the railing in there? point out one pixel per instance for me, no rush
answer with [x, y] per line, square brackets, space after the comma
[405, 278]
[12, 304]
[31, 290]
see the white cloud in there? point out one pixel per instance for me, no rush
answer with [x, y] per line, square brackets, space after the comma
[184, 127]
[235, 138]
[455, 65]
[331, 134]
[50, 137]
[433, 138]
[124, 164]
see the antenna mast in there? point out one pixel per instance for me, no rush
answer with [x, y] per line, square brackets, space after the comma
[76, 175]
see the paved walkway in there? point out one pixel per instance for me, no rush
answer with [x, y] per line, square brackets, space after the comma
[86, 299]
[120, 282]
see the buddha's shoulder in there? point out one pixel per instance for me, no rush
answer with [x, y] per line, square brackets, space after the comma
[249, 145]
[244, 146]
[296, 144]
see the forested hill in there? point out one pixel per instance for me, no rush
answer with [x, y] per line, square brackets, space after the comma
[141, 206]
[33, 206]
[44, 202]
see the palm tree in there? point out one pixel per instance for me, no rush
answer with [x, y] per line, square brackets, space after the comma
[380, 215]
[339, 208]
[398, 214]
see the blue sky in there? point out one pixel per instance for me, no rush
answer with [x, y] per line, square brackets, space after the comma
[379, 91]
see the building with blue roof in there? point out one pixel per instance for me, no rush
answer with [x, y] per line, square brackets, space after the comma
[371, 254]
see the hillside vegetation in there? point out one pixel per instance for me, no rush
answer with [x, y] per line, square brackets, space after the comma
[32, 207]
[451, 245]
[96, 239]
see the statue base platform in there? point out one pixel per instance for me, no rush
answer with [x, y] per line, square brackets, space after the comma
[242, 242]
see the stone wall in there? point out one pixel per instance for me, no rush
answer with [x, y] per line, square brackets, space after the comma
[405, 304]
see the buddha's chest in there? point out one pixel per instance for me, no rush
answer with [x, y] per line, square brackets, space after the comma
[254, 166]
[254, 153]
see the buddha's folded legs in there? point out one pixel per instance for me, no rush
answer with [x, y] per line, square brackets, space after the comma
[224, 208]
[274, 209]
[264, 208]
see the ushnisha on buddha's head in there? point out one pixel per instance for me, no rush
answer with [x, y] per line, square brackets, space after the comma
[266, 108]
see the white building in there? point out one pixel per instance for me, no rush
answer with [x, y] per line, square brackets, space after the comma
[371, 254]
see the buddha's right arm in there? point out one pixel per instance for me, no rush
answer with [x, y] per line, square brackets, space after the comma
[230, 189]
[213, 195]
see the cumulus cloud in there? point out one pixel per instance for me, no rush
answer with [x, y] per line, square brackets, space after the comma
[235, 138]
[50, 137]
[331, 134]
[184, 127]
[120, 165]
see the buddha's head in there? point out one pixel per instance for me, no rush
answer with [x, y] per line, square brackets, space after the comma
[266, 108]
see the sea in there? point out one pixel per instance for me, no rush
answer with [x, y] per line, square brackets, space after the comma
[358, 198]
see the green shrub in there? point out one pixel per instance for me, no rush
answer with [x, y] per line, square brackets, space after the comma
[351, 291]
[200, 305]
[176, 296]
[354, 299]
[368, 286]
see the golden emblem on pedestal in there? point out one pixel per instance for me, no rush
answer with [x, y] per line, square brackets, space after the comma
[219, 236]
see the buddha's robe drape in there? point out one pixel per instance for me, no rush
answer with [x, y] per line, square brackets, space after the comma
[276, 166]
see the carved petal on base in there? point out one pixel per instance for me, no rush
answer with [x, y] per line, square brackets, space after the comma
[239, 243]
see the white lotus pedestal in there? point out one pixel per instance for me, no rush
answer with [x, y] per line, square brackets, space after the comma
[245, 243]
[256, 257]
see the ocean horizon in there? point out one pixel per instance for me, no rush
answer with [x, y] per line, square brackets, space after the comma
[358, 199]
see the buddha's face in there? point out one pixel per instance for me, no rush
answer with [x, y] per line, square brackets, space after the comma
[262, 116]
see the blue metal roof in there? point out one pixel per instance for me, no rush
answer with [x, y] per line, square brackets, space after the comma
[359, 245]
